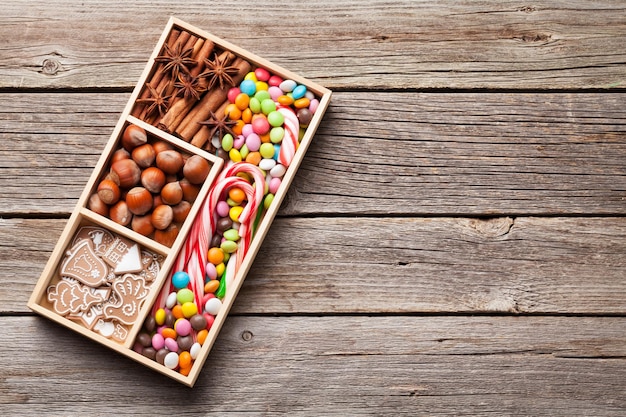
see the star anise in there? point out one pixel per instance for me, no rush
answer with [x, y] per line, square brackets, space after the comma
[188, 86]
[176, 61]
[221, 125]
[218, 71]
[156, 101]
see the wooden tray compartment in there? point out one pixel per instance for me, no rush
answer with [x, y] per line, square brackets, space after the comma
[209, 106]
[89, 256]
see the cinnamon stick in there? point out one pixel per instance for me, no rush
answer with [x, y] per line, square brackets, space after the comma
[210, 102]
[157, 74]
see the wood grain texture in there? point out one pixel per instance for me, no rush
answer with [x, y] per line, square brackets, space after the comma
[340, 44]
[557, 366]
[411, 154]
[397, 265]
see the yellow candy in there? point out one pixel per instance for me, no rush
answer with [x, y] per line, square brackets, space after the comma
[235, 212]
[159, 317]
[220, 269]
[251, 76]
[234, 155]
[189, 309]
[261, 85]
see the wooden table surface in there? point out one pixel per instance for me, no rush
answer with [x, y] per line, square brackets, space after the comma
[454, 242]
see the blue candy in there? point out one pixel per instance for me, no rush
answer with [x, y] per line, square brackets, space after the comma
[298, 92]
[248, 87]
[180, 279]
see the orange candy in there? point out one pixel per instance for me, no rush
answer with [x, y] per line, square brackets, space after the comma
[185, 371]
[216, 256]
[211, 286]
[254, 158]
[184, 359]
[301, 103]
[241, 101]
[236, 194]
[168, 332]
[238, 128]
[232, 112]
[285, 100]
[246, 115]
[201, 336]
[177, 311]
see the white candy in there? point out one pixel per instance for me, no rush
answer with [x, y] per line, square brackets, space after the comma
[213, 306]
[171, 301]
[278, 171]
[171, 360]
[267, 164]
[287, 86]
[194, 351]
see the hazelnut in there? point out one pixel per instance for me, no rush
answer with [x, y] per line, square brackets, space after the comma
[153, 179]
[181, 211]
[139, 200]
[169, 161]
[128, 172]
[108, 191]
[172, 193]
[190, 191]
[96, 205]
[162, 217]
[133, 136]
[120, 214]
[196, 169]
[144, 155]
[168, 236]
[142, 225]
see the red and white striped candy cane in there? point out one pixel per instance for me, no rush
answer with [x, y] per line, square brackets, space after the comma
[289, 145]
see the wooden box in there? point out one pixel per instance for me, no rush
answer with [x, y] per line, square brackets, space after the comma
[244, 124]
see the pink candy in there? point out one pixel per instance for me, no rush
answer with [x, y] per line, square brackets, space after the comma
[182, 327]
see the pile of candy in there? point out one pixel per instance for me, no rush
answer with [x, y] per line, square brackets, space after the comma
[265, 119]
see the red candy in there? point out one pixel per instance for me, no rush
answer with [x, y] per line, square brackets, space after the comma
[262, 74]
[274, 80]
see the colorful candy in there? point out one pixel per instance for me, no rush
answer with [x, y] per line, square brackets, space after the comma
[268, 116]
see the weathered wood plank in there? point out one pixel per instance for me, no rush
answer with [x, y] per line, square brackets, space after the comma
[340, 44]
[396, 265]
[375, 153]
[557, 366]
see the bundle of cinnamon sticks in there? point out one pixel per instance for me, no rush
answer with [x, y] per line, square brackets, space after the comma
[186, 55]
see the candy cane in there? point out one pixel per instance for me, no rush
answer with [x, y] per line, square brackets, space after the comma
[289, 145]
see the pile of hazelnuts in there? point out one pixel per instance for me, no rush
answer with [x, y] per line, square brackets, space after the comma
[150, 186]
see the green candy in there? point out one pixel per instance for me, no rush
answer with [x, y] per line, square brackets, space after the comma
[268, 106]
[244, 151]
[275, 118]
[232, 235]
[254, 105]
[227, 142]
[267, 149]
[262, 95]
[184, 295]
[277, 134]
[221, 290]
[228, 246]
[267, 201]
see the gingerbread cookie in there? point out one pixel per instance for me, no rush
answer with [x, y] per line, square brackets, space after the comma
[83, 264]
[87, 317]
[72, 297]
[130, 291]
